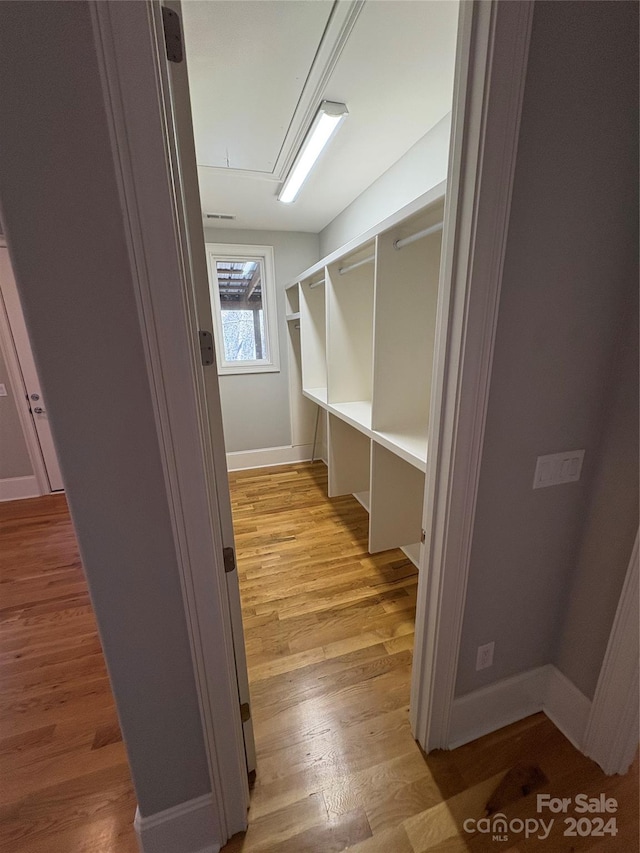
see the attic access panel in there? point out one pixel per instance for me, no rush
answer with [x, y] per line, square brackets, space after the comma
[248, 65]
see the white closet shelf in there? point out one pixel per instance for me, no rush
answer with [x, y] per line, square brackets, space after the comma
[291, 317]
[358, 414]
[364, 499]
[412, 447]
[318, 395]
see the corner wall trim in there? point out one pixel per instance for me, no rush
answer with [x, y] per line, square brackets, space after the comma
[186, 828]
[511, 699]
[567, 707]
[267, 457]
[611, 737]
[16, 488]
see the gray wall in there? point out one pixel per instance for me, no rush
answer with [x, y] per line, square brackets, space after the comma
[422, 167]
[570, 278]
[255, 406]
[611, 521]
[73, 273]
[14, 456]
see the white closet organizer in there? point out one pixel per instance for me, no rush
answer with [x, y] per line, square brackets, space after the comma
[367, 324]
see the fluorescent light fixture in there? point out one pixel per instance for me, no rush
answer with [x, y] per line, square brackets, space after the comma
[328, 119]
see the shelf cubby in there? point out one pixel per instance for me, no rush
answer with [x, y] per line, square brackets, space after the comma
[303, 411]
[313, 328]
[349, 453]
[406, 304]
[350, 294]
[397, 494]
[292, 299]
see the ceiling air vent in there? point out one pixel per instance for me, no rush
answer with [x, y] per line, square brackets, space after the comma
[219, 216]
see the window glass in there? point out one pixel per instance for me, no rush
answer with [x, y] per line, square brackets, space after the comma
[240, 300]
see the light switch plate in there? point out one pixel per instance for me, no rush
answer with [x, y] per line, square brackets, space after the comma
[3, 390]
[558, 468]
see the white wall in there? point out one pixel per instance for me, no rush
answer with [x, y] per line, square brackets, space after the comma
[255, 406]
[73, 272]
[570, 279]
[421, 168]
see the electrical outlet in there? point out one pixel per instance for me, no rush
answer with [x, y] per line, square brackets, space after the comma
[3, 390]
[484, 658]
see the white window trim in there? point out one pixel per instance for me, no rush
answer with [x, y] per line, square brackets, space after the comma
[238, 251]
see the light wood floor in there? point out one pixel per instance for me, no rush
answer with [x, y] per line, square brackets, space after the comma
[329, 635]
[65, 785]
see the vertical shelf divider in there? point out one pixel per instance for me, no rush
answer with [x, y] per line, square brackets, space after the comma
[397, 495]
[349, 459]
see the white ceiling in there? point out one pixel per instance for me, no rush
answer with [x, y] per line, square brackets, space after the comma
[258, 70]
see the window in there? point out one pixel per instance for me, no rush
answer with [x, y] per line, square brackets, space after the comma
[243, 303]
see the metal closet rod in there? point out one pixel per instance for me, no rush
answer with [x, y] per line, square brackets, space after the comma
[398, 244]
[316, 283]
[357, 264]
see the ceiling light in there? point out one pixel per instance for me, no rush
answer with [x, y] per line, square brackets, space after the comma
[328, 119]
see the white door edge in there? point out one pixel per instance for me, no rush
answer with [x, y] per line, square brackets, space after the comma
[611, 738]
[10, 355]
[491, 65]
[129, 41]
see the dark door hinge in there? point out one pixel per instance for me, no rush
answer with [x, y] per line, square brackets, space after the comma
[229, 557]
[245, 712]
[206, 348]
[172, 34]
[423, 536]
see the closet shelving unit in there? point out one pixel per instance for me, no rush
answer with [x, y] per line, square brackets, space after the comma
[303, 411]
[367, 317]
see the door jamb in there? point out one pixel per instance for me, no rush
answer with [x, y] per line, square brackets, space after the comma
[10, 354]
[491, 64]
[130, 43]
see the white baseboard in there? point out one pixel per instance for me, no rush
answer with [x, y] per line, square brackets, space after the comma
[511, 699]
[567, 707]
[191, 827]
[500, 704]
[16, 488]
[267, 457]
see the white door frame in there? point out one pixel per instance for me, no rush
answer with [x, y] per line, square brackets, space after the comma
[491, 64]
[490, 84]
[129, 42]
[10, 355]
